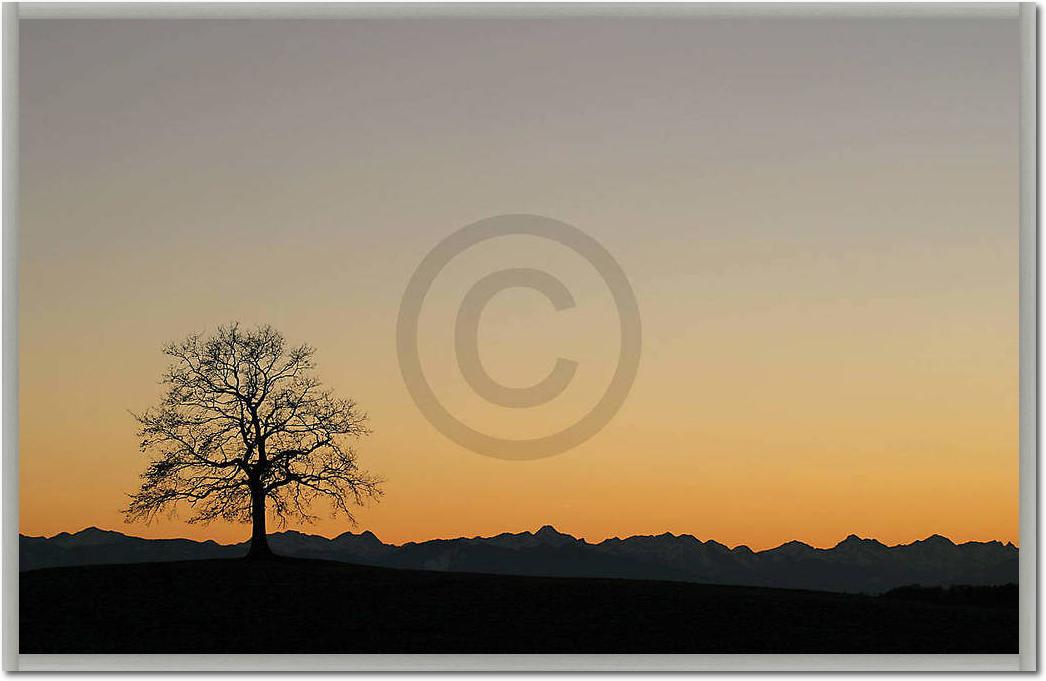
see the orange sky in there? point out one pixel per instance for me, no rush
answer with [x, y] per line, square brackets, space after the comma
[819, 221]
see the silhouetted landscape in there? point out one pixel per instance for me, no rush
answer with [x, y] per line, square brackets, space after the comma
[556, 277]
[244, 431]
[854, 565]
[544, 591]
[309, 606]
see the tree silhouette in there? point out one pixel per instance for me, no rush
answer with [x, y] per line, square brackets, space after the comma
[243, 421]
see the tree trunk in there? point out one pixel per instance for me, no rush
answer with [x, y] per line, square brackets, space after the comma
[259, 542]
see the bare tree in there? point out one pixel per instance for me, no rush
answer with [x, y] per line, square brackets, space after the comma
[243, 421]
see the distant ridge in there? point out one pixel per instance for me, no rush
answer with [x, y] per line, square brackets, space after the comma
[853, 565]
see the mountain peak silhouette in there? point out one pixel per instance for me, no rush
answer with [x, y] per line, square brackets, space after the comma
[90, 536]
[938, 540]
[93, 531]
[550, 536]
[855, 541]
[855, 564]
[791, 547]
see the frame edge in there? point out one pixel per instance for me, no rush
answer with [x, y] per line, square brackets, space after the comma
[1028, 363]
[10, 336]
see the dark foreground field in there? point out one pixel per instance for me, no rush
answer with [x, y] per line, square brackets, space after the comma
[298, 606]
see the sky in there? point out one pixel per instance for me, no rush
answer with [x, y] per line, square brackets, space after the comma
[818, 218]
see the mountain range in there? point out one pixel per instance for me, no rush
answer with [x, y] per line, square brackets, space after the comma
[854, 565]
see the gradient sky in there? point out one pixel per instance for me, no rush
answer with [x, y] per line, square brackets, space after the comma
[818, 217]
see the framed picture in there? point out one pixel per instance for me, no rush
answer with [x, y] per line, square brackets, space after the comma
[519, 336]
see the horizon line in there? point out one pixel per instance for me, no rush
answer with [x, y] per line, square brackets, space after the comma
[534, 533]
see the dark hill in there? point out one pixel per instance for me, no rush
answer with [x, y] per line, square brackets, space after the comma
[300, 606]
[854, 565]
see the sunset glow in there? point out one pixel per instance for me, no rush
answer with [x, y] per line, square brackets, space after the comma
[822, 243]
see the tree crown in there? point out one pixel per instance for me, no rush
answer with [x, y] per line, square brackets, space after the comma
[242, 415]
